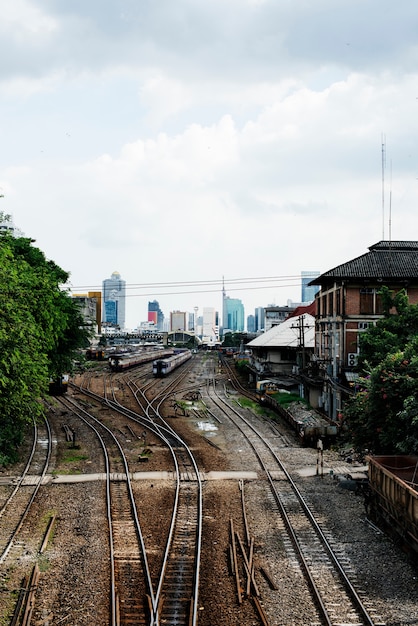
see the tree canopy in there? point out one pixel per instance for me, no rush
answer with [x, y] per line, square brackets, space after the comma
[383, 414]
[41, 329]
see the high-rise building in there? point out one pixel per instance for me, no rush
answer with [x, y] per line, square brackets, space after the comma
[114, 295]
[210, 330]
[155, 314]
[233, 314]
[308, 292]
[251, 324]
[259, 314]
[178, 321]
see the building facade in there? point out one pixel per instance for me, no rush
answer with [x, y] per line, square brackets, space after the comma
[308, 292]
[91, 307]
[210, 326]
[233, 315]
[114, 296]
[155, 314]
[178, 321]
[348, 302]
[259, 315]
[274, 315]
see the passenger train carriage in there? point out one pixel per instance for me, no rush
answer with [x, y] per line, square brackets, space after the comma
[163, 367]
[123, 361]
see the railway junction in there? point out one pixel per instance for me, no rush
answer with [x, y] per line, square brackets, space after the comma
[249, 570]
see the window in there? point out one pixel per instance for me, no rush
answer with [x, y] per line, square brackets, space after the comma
[366, 301]
[338, 301]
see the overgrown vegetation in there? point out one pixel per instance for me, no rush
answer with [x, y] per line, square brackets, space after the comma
[286, 399]
[41, 329]
[383, 414]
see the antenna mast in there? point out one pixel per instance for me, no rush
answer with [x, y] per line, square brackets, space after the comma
[383, 185]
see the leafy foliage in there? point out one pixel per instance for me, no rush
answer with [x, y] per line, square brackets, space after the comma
[383, 415]
[41, 328]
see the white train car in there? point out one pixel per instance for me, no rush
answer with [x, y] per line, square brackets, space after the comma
[164, 367]
[120, 362]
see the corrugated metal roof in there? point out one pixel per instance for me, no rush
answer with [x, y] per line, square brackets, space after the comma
[286, 334]
[386, 260]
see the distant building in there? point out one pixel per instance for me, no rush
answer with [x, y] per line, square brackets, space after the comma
[155, 314]
[284, 348]
[309, 291]
[251, 324]
[91, 307]
[233, 315]
[275, 315]
[114, 295]
[210, 331]
[178, 321]
[259, 315]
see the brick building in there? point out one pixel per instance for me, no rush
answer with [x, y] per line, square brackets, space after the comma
[348, 302]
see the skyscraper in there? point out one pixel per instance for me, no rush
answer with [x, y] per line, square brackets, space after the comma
[308, 292]
[233, 314]
[178, 321]
[155, 314]
[114, 294]
[210, 331]
[259, 315]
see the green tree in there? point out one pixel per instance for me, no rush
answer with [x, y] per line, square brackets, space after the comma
[41, 329]
[383, 414]
[391, 333]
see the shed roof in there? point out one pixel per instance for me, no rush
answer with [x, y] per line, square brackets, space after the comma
[286, 334]
[386, 260]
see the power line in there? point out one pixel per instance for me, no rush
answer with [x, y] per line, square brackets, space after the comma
[227, 285]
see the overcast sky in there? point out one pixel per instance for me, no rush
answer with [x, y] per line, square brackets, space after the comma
[180, 142]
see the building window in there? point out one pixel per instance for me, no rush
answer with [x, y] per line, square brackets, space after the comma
[338, 301]
[366, 301]
[331, 303]
[371, 301]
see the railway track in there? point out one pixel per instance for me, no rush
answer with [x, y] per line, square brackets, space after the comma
[335, 597]
[18, 504]
[130, 583]
[173, 593]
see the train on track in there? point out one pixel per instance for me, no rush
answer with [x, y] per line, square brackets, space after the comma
[163, 367]
[59, 385]
[124, 360]
[309, 425]
[392, 499]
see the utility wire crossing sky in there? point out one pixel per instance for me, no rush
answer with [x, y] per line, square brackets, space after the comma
[175, 141]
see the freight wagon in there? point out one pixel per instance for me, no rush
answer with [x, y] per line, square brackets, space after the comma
[392, 500]
[308, 424]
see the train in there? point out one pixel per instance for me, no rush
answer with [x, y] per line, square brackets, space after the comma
[308, 424]
[392, 499]
[163, 367]
[59, 385]
[124, 360]
[267, 386]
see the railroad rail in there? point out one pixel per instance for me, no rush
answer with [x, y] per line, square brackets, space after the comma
[130, 583]
[173, 593]
[18, 504]
[325, 576]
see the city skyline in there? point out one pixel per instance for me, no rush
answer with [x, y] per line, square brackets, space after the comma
[155, 310]
[189, 141]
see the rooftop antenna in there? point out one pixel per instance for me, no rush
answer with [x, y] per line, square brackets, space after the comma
[390, 204]
[383, 184]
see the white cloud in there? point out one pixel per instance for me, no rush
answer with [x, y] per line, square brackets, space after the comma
[193, 140]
